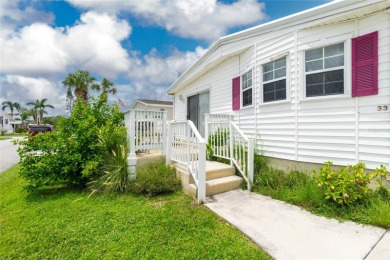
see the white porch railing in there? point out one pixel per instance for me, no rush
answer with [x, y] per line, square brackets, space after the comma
[229, 142]
[146, 130]
[186, 146]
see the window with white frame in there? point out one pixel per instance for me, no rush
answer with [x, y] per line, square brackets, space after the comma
[324, 70]
[246, 88]
[274, 80]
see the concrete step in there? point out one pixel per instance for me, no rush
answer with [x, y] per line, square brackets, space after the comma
[219, 178]
[216, 186]
[214, 170]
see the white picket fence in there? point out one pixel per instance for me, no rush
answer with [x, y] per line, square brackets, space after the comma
[146, 130]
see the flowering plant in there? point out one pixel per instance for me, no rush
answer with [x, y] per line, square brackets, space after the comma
[348, 184]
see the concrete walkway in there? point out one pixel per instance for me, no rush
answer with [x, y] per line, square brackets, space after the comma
[8, 154]
[288, 232]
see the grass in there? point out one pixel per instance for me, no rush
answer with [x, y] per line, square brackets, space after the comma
[9, 136]
[62, 223]
[300, 189]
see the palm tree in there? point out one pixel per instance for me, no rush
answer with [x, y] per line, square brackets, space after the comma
[11, 105]
[24, 115]
[34, 110]
[106, 87]
[39, 109]
[82, 82]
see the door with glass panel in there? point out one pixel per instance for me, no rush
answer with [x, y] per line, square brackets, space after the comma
[197, 107]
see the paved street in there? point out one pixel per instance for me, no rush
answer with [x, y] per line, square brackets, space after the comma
[8, 154]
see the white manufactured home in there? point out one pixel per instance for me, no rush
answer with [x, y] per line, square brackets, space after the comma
[311, 87]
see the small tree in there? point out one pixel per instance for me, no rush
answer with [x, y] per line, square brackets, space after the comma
[76, 153]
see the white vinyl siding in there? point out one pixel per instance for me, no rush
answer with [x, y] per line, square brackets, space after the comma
[335, 128]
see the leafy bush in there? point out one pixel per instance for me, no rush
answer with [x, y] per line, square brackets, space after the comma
[156, 178]
[72, 154]
[115, 177]
[2, 132]
[20, 130]
[347, 185]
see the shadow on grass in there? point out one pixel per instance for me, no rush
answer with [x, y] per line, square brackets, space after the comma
[53, 192]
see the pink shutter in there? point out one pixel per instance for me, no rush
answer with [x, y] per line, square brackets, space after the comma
[365, 65]
[236, 94]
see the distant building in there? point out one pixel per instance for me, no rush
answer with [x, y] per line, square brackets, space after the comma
[157, 105]
[9, 123]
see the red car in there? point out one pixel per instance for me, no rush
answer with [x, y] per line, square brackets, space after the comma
[40, 129]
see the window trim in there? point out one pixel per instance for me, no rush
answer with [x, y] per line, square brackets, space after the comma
[347, 70]
[242, 90]
[274, 80]
[287, 77]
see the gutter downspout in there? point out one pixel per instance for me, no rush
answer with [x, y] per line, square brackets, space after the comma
[256, 87]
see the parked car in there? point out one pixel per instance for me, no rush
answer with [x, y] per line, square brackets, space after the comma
[40, 129]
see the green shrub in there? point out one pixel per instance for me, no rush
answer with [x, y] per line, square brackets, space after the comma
[72, 154]
[156, 178]
[115, 176]
[20, 130]
[2, 132]
[347, 185]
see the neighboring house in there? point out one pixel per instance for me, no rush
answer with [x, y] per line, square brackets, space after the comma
[311, 87]
[9, 123]
[156, 105]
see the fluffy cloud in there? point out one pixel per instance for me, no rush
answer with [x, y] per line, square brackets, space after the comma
[93, 44]
[197, 19]
[25, 89]
[12, 16]
[152, 74]
[154, 69]
[35, 57]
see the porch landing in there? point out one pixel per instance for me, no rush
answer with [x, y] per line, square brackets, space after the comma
[288, 232]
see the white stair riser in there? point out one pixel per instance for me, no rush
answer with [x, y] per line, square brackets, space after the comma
[212, 189]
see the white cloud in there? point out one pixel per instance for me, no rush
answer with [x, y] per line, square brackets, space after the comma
[11, 15]
[197, 19]
[35, 49]
[93, 44]
[23, 89]
[35, 58]
[154, 70]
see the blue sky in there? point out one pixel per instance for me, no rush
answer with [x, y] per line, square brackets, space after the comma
[142, 46]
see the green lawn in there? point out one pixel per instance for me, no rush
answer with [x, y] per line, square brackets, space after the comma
[5, 137]
[65, 224]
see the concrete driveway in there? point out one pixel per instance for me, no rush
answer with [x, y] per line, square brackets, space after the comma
[8, 154]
